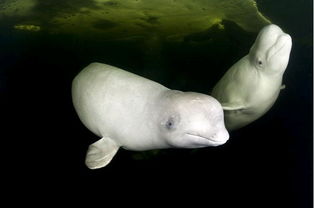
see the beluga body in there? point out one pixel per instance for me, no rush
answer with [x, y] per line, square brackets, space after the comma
[252, 85]
[129, 111]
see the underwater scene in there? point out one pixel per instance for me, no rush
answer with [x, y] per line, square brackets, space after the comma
[184, 45]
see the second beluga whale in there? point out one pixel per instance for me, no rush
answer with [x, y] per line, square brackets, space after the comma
[252, 85]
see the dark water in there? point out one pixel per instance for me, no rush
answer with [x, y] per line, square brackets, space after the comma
[268, 163]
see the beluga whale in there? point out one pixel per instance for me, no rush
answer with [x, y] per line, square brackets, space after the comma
[252, 85]
[129, 111]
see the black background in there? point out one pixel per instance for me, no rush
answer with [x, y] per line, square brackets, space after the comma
[267, 164]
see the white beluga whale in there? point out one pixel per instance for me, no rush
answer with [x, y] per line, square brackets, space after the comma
[135, 113]
[251, 86]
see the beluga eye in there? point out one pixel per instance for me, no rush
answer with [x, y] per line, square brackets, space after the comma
[259, 63]
[171, 123]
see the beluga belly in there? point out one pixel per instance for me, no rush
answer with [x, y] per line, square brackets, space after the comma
[252, 85]
[132, 112]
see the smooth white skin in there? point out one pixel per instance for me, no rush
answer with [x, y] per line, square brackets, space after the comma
[139, 114]
[251, 86]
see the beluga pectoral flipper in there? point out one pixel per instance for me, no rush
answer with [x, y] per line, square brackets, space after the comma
[252, 84]
[100, 153]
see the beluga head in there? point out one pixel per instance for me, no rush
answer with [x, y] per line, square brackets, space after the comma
[192, 120]
[271, 50]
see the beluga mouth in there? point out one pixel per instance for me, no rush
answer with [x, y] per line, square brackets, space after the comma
[205, 141]
[283, 41]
